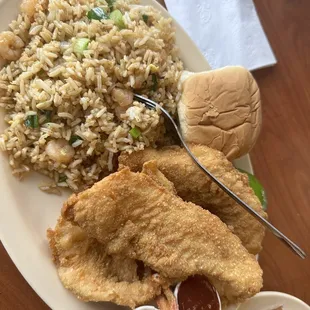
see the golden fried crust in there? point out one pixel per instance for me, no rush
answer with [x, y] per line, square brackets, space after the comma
[85, 268]
[150, 169]
[193, 185]
[136, 217]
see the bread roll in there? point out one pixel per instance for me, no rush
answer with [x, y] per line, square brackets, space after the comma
[221, 109]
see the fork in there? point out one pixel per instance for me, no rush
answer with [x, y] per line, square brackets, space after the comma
[295, 248]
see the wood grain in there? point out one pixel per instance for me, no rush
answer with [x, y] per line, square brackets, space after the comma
[280, 158]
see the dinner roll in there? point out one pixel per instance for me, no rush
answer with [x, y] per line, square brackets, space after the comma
[221, 108]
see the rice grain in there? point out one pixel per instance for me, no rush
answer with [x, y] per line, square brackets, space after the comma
[70, 94]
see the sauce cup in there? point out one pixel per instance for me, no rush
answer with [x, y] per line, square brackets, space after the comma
[197, 291]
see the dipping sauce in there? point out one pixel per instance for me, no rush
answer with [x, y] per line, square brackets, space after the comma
[197, 293]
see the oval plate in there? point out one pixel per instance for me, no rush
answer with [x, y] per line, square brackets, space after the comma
[26, 212]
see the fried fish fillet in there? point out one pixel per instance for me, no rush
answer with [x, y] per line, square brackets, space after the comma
[136, 217]
[193, 185]
[85, 268]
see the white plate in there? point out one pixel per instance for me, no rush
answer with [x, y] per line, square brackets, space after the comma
[272, 300]
[26, 212]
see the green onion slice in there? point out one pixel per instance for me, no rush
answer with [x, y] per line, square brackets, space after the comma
[145, 18]
[155, 82]
[74, 138]
[117, 17]
[80, 45]
[110, 4]
[135, 132]
[32, 121]
[48, 116]
[62, 178]
[97, 14]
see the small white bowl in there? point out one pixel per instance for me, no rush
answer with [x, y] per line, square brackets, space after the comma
[146, 308]
[272, 300]
[176, 291]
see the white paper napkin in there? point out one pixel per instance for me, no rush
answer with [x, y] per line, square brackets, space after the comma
[228, 32]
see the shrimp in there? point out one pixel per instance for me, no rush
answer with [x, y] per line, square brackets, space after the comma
[123, 97]
[60, 151]
[10, 45]
[2, 64]
[28, 7]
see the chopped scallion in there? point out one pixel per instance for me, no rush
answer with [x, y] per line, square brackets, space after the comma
[80, 45]
[32, 121]
[62, 178]
[155, 82]
[145, 18]
[74, 138]
[117, 17]
[135, 132]
[97, 14]
[110, 4]
[48, 116]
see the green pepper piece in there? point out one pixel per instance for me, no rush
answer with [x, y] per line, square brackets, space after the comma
[257, 188]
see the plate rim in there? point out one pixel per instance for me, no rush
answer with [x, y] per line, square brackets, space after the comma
[18, 261]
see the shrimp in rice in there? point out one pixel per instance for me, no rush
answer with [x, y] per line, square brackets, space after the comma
[11, 46]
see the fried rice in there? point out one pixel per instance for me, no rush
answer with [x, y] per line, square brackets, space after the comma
[61, 108]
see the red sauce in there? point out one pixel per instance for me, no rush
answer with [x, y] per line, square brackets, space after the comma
[197, 293]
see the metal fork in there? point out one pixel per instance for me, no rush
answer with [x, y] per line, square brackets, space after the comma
[295, 248]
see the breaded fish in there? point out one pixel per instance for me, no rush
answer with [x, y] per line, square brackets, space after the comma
[85, 268]
[193, 185]
[134, 216]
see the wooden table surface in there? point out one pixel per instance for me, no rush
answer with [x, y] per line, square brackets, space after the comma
[281, 158]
